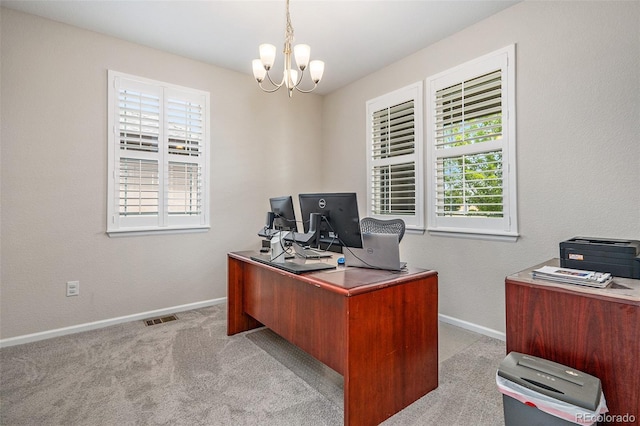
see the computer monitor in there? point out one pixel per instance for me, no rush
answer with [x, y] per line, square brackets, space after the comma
[284, 215]
[339, 223]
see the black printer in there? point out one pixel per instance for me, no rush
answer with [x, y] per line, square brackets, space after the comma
[621, 258]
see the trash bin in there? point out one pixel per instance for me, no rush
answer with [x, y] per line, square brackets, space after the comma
[536, 392]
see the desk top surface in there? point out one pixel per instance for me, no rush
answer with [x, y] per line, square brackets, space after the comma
[620, 289]
[345, 279]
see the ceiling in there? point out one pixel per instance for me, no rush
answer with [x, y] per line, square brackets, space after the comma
[353, 38]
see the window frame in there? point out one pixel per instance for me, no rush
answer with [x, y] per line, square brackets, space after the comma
[413, 92]
[506, 227]
[168, 160]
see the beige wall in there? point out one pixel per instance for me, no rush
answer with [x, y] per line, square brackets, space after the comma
[578, 85]
[578, 150]
[54, 163]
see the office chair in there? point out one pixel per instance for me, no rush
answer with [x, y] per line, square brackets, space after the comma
[380, 226]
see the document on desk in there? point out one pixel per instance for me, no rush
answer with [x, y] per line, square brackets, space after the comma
[573, 276]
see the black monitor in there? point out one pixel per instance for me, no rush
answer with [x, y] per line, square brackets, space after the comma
[339, 223]
[284, 215]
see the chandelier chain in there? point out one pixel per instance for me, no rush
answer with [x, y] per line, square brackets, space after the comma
[288, 32]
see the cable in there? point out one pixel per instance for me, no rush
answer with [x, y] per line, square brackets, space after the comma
[285, 250]
[279, 216]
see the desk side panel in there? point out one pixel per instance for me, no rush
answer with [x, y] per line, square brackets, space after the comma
[237, 320]
[599, 337]
[392, 349]
[308, 316]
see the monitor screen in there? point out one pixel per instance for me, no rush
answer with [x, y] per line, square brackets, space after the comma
[340, 221]
[285, 217]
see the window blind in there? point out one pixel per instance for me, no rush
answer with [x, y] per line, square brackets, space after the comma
[158, 155]
[139, 120]
[394, 131]
[471, 133]
[394, 189]
[185, 127]
[469, 112]
[138, 187]
[469, 179]
[393, 179]
[184, 189]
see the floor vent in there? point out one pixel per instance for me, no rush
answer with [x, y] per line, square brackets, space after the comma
[160, 320]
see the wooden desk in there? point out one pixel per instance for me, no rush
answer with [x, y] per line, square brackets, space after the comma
[593, 330]
[379, 329]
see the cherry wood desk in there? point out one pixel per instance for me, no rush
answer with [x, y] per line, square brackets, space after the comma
[379, 329]
[593, 330]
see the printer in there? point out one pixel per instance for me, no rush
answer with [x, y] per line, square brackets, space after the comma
[621, 258]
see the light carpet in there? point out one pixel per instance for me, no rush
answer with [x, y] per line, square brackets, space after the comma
[189, 372]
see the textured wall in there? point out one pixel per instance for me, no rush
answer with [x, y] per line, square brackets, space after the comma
[578, 156]
[578, 115]
[54, 165]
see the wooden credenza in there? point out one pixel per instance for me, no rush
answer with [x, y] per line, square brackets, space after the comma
[593, 330]
[379, 329]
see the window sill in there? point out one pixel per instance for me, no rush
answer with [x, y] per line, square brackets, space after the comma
[414, 231]
[510, 237]
[156, 231]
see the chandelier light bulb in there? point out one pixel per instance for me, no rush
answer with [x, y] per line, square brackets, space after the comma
[302, 52]
[316, 68]
[258, 70]
[267, 55]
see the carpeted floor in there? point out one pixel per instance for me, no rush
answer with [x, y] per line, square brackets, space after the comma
[189, 372]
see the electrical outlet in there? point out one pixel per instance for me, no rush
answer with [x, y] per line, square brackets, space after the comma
[73, 288]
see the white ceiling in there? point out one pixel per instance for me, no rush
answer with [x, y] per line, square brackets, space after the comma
[353, 38]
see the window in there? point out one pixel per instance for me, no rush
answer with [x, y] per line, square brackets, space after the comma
[394, 148]
[471, 148]
[158, 156]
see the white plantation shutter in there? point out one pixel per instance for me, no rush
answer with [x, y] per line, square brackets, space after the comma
[394, 189]
[469, 112]
[471, 134]
[469, 181]
[138, 182]
[139, 119]
[185, 117]
[184, 189]
[158, 156]
[394, 185]
[394, 131]
[394, 151]
[186, 127]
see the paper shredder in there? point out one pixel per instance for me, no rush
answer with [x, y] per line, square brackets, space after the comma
[541, 392]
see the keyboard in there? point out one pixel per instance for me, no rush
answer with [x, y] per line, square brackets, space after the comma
[308, 253]
[294, 267]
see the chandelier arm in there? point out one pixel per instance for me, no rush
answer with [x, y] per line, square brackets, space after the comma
[275, 84]
[299, 78]
[307, 91]
[268, 90]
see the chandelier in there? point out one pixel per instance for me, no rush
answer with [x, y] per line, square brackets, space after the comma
[290, 78]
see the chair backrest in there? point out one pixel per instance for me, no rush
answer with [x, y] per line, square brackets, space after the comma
[379, 226]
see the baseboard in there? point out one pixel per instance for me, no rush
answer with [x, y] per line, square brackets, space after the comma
[473, 327]
[27, 338]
